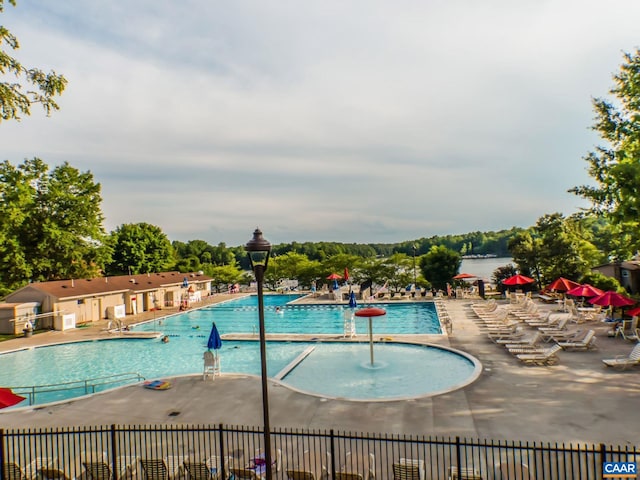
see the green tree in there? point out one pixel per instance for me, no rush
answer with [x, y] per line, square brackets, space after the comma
[140, 248]
[554, 247]
[25, 86]
[615, 166]
[50, 224]
[439, 265]
[398, 271]
[223, 276]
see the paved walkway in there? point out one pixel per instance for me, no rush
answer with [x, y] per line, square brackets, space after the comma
[578, 400]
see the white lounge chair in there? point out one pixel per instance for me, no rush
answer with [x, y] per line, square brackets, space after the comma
[584, 342]
[623, 362]
[549, 356]
[409, 469]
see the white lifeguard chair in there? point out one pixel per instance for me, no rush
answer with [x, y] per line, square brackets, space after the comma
[211, 365]
[349, 324]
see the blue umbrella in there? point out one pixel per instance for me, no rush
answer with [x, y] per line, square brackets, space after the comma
[214, 342]
[352, 299]
[335, 285]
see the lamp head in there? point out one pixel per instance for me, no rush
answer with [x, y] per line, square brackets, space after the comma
[258, 249]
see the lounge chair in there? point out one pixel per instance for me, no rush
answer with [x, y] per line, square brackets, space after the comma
[98, 470]
[623, 362]
[409, 469]
[464, 473]
[531, 340]
[210, 469]
[155, 469]
[630, 333]
[50, 473]
[244, 473]
[584, 342]
[13, 471]
[548, 356]
[506, 471]
[299, 475]
[348, 476]
[37, 464]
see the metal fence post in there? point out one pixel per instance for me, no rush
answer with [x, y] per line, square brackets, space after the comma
[458, 458]
[2, 462]
[114, 456]
[222, 457]
[333, 454]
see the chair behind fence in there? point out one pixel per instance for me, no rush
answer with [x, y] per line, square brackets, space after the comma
[211, 452]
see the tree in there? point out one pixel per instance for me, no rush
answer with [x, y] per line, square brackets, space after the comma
[25, 86]
[439, 265]
[554, 247]
[140, 248]
[615, 167]
[223, 276]
[50, 224]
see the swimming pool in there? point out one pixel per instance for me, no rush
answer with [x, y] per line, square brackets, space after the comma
[331, 370]
[241, 316]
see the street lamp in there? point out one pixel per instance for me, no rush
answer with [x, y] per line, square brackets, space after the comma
[414, 266]
[258, 249]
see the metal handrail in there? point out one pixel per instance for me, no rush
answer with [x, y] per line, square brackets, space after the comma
[89, 385]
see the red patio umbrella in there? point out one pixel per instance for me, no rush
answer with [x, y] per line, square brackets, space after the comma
[518, 280]
[8, 398]
[346, 274]
[462, 276]
[634, 312]
[612, 299]
[585, 290]
[334, 276]
[370, 312]
[562, 284]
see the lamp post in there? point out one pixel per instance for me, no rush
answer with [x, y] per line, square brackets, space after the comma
[258, 249]
[414, 266]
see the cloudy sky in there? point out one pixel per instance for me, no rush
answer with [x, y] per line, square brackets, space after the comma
[333, 120]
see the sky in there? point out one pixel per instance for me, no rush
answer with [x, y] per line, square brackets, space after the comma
[334, 120]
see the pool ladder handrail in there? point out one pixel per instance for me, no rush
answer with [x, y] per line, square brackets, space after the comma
[88, 384]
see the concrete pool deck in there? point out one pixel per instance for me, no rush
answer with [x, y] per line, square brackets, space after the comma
[579, 400]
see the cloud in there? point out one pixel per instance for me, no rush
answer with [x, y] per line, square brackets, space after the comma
[345, 121]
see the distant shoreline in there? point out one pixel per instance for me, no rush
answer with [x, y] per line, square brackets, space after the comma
[487, 255]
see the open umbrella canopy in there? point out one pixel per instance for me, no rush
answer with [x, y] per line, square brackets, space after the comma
[611, 299]
[462, 276]
[634, 312]
[214, 342]
[8, 398]
[334, 276]
[562, 285]
[585, 290]
[518, 280]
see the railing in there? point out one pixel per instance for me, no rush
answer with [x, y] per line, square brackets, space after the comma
[221, 449]
[88, 386]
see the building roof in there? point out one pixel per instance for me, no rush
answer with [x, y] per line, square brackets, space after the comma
[104, 285]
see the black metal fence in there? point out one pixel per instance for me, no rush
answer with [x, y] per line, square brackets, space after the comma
[208, 452]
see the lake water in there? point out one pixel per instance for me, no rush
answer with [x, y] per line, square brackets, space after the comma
[483, 267]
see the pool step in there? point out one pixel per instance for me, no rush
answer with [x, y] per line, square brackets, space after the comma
[293, 364]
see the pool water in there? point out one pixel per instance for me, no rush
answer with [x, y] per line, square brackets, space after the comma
[241, 316]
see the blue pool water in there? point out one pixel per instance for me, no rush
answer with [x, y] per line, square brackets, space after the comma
[241, 316]
[332, 369]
